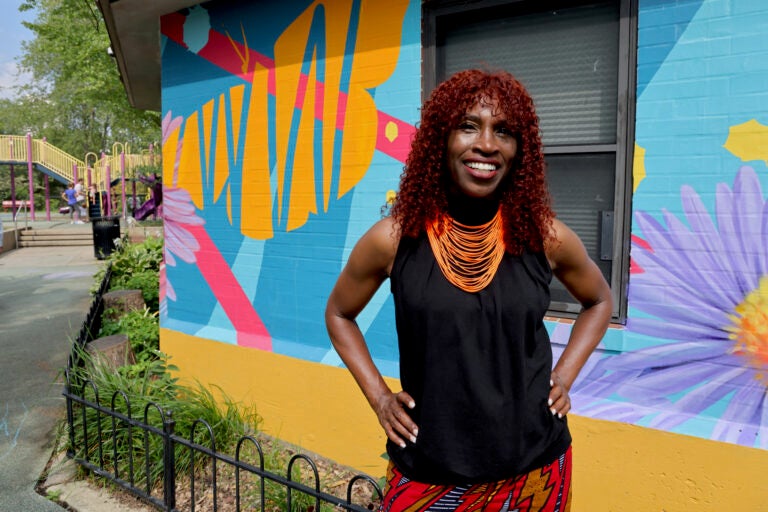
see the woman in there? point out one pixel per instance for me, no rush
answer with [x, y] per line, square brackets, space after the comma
[470, 248]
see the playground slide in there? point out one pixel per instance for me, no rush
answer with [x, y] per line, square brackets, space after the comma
[145, 210]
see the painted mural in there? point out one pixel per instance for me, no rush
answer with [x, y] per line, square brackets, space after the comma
[285, 127]
[285, 131]
[694, 355]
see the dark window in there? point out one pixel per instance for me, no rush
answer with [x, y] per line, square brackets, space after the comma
[577, 60]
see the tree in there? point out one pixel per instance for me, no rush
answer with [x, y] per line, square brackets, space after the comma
[76, 98]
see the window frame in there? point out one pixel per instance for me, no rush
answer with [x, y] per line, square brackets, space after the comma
[434, 10]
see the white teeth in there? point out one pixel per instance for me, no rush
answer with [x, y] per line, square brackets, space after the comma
[481, 166]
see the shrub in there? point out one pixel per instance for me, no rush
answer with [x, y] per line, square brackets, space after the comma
[142, 328]
[136, 266]
[144, 383]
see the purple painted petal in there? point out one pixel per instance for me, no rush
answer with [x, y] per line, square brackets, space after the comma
[181, 243]
[665, 254]
[671, 354]
[678, 306]
[727, 222]
[616, 411]
[699, 268]
[744, 409]
[748, 198]
[667, 330]
[170, 261]
[699, 399]
[763, 264]
[713, 254]
[667, 381]
[664, 266]
[170, 292]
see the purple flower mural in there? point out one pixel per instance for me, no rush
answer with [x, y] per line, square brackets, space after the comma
[704, 284]
[178, 211]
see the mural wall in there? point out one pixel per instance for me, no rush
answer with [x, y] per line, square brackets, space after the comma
[285, 130]
[694, 355]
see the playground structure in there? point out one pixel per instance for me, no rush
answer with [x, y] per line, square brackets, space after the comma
[121, 188]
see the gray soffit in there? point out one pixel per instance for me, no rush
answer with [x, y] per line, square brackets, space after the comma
[134, 31]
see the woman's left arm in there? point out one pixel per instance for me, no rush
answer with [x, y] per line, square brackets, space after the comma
[583, 279]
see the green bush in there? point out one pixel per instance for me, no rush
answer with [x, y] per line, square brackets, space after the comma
[136, 266]
[144, 383]
[142, 328]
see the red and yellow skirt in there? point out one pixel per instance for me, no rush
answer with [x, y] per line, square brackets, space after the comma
[546, 489]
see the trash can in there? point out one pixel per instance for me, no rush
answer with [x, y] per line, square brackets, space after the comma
[94, 207]
[105, 231]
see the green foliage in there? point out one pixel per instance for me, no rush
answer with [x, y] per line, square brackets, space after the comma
[141, 327]
[146, 281]
[22, 185]
[75, 97]
[136, 266]
[154, 384]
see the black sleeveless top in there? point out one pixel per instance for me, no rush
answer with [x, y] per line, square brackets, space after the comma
[478, 367]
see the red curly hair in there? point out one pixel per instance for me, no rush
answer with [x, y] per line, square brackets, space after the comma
[424, 184]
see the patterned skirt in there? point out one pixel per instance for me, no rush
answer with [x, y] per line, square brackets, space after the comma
[546, 489]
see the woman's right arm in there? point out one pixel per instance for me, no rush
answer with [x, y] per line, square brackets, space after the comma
[369, 265]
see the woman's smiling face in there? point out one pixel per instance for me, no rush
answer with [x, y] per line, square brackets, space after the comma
[481, 150]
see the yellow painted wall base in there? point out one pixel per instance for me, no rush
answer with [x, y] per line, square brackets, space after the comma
[617, 467]
[626, 468]
[314, 406]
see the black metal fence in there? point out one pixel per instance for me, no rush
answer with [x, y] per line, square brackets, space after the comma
[246, 480]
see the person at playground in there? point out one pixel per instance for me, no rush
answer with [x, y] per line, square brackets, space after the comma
[80, 196]
[470, 247]
[70, 196]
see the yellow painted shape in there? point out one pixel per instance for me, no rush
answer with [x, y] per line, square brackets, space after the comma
[169, 156]
[748, 141]
[236, 95]
[256, 193]
[289, 57]
[617, 467]
[302, 197]
[638, 167]
[190, 172]
[221, 161]
[207, 141]
[377, 49]
[391, 131]
[337, 16]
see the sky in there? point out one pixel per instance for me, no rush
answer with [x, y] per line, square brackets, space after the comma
[12, 32]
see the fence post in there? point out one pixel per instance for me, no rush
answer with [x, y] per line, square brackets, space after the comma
[169, 463]
[70, 414]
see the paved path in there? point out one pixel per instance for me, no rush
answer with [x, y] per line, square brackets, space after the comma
[44, 297]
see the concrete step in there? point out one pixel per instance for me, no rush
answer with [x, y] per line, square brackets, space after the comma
[56, 236]
[72, 235]
[74, 230]
[54, 243]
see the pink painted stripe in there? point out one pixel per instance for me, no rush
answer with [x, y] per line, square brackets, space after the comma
[401, 145]
[251, 331]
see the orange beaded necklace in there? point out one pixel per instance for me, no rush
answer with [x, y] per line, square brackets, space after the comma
[468, 256]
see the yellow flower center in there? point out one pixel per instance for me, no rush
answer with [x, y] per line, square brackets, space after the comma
[750, 329]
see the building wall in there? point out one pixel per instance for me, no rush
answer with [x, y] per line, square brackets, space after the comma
[285, 130]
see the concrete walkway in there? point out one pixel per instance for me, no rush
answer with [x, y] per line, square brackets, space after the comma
[44, 299]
